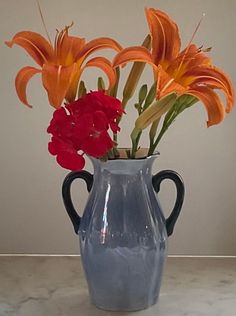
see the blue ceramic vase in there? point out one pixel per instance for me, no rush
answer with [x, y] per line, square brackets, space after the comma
[123, 232]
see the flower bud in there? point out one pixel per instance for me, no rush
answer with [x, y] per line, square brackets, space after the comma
[82, 90]
[142, 94]
[155, 111]
[101, 84]
[135, 74]
[151, 96]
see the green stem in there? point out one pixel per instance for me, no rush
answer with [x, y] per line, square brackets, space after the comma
[135, 149]
[152, 132]
[113, 91]
[182, 103]
[124, 103]
[135, 136]
[154, 145]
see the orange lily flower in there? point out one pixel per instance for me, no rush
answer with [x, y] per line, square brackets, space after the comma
[61, 66]
[187, 72]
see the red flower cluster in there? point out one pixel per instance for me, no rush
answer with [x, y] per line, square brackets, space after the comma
[82, 127]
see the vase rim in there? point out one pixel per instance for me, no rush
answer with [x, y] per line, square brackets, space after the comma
[142, 153]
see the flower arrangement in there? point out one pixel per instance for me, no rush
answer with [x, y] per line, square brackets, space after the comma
[88, 123]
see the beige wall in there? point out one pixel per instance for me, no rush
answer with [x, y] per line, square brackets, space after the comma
[32, 217]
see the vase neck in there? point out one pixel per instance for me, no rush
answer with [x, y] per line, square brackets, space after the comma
[124, 166]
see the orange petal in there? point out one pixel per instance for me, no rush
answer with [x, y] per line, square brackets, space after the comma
[35, 44]
[67, 47]
[96, 44]
[191, 57]
[213, 104]
[57, 80]
[215, 78]
[105, 65]
[135, 53]
[22, 79]
[72, 90]
[166, 84]
[165, 35]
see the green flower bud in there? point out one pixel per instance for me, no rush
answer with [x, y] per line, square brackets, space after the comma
[155, 111]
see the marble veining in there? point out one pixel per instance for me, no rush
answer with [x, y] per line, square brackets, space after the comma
[55, 286]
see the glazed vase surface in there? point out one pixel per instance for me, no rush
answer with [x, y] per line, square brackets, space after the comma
[123, 232]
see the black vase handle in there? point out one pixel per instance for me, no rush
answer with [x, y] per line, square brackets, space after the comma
[88, 178]
[172, 175]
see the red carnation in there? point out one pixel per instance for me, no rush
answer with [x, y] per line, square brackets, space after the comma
[82, 127]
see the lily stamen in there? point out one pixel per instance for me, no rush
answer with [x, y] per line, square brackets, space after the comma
[43, 21]
[190, 42]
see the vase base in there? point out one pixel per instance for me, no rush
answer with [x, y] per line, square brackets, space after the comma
[126, 308]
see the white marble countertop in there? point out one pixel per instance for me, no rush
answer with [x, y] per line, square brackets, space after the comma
[55, 286]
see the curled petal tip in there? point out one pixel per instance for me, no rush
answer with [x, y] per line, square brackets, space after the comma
[105, 65]
[209, 124]
[9, 43]
[21, 82]
[212, 102]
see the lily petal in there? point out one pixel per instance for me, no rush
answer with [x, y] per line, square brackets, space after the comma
[35, 45]
[96, 44]
[67, 47]
[105, 65]
[191, 57]
[166, 84]
[215, 78]
[72, 90]
[135, 53]
[165, 35]
[57, 80]
[212, 103]
[22, 79]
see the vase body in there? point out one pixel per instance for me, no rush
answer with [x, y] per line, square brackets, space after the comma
[123, 236]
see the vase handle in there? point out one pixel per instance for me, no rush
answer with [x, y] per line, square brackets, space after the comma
[88, 178]
[172, 175]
